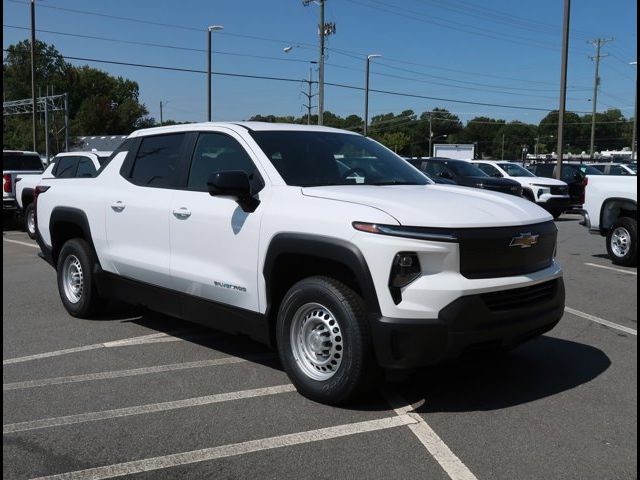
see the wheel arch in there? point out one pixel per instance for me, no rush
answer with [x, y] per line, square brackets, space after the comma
[291, 257]
[26, 198]
[66, 223]
[614, 208]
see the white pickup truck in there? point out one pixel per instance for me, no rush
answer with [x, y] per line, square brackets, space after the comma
[318, 241]
[611, 210]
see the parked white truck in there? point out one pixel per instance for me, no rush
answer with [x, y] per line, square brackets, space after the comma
[318, 241]
[611, 210]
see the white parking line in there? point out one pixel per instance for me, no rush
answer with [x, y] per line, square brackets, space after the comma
[124, 373]
[601, 321]
[619, 270]
[235, 449]
[145, 409]
[152, 338]
[448, 460]
[32, 245]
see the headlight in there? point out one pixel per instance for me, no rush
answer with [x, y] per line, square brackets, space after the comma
[404, 270]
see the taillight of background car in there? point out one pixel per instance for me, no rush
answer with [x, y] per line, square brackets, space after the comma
[6, 183]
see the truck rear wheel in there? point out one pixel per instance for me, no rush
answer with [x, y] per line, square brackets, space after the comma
[622, 242]
[30, 221]
[323, 340]
[76, 284]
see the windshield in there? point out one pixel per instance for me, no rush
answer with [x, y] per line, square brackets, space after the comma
[589, 170]
[515, 170]
[314, 159]
[465, 169]
[18, 161]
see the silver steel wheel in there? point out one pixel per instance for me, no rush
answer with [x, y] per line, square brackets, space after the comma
[316, 341]
[31, 222]
[620, 242]
[72, 278]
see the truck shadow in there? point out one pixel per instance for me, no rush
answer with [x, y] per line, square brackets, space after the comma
[538, 369]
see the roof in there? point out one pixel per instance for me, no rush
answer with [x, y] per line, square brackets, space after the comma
[100, 143]
[254, 126]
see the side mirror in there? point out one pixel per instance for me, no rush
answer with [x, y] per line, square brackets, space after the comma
[233, 183]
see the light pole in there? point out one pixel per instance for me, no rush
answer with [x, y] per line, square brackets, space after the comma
[432, 138]
[210, 30]
[563, 84]
[634, 148]
[366, 93]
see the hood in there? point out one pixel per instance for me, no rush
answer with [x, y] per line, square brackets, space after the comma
[441, 206]
[547, 182]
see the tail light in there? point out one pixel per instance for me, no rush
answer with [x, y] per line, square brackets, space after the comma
[39, 189]
[583, 195]
[6, 183]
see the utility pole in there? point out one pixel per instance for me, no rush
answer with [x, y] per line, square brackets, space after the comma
[33, 74]
[309, 94]
[366, 93]
[160, 112]
[430, 137]
[503, 146]
[563, 85]
[634, 148]
[210, 30]
[598, 43]
[324, 30]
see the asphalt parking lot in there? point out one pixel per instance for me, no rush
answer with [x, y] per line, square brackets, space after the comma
[143, 395]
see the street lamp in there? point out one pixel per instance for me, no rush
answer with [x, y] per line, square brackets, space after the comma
[432, 138]
[210, 29]
[366, 93]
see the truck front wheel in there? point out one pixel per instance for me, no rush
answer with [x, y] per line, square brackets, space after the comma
[622, 242]
[323, 340]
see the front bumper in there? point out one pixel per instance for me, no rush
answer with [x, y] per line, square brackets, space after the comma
[469, 323]
[555, 202]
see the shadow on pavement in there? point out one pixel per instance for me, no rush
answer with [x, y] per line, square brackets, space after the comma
[541, 368]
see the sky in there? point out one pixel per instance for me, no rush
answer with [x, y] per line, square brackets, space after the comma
[500, 52]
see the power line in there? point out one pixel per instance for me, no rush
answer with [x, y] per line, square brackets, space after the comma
[284, 79]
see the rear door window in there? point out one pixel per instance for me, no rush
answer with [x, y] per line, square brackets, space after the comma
[86, 168]
[157, 161]
[66, 167]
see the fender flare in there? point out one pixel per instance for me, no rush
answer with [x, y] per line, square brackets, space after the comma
[323, 247]
[610, 200]
[74, 216]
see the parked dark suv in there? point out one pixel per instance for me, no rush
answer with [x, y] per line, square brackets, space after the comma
[467, 175]
[574, 174]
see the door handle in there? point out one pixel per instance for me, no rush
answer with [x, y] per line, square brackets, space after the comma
[181, 213]
[118, 206]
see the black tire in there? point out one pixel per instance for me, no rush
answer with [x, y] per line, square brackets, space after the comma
[357, 368]
[88, 302]
[29, 225]
[627, 257]
[556, 213]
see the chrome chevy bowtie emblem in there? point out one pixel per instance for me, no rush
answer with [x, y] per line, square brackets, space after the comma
[524, 240]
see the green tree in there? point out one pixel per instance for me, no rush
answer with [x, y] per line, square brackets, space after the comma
[517, 135]
[482, 131]
[99, 104]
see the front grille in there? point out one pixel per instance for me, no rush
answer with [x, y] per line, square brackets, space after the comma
[488, 252]
[559, 190]
[520, 297]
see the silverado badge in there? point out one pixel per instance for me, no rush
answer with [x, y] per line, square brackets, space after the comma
[524, 240]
